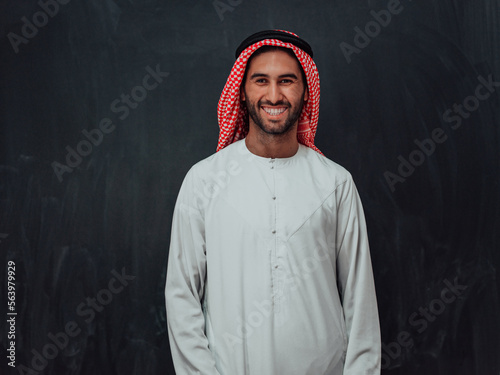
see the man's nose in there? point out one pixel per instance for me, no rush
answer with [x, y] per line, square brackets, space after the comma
[274, 94]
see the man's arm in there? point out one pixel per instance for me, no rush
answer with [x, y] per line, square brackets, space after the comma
[356, 285]
[185, 287]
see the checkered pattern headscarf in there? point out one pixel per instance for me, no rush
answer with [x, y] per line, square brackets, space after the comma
[232, 114]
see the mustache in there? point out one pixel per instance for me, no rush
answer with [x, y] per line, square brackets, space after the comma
[281, 102]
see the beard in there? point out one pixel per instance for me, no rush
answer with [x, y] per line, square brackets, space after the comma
[271, 127]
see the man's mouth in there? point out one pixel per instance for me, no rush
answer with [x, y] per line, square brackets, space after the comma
[274, 111]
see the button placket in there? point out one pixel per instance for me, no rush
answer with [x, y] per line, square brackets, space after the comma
[274, 263]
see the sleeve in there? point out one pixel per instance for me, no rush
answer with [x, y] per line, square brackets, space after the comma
[356, 285]
[185, 286]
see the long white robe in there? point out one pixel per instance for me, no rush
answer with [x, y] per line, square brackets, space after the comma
[269, 269]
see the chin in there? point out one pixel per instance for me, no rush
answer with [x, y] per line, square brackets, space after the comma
[275, 130]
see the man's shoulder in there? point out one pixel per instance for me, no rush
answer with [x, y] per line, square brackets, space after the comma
[216, 162]
[326, 168]
[219, 157]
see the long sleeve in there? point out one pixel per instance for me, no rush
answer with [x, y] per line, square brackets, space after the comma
[185, 286]
[356, 285]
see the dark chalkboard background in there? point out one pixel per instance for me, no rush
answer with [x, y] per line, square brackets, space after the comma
[112, 213]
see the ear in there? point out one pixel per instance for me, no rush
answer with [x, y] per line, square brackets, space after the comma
[242, 95]
[306, 94]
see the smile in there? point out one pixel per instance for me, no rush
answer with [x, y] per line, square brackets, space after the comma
[274, 111]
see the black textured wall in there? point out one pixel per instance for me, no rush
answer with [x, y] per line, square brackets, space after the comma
[104, 106]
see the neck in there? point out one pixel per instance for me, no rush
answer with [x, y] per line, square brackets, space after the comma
[267, 145]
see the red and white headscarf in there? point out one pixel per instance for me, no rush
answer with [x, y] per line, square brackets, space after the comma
[231, 113]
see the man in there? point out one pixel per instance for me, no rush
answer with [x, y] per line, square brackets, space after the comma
[269, 269]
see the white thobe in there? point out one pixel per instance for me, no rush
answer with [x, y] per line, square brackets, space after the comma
[269, 269]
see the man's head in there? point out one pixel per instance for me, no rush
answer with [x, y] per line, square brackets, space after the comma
[232, 111]
[274, 89]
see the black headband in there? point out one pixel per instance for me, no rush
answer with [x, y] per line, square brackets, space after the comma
[275, 34]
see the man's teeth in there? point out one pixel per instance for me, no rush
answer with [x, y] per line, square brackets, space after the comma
[274, 111]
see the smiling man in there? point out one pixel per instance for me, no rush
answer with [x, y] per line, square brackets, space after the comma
[269, 267]
[274, 90]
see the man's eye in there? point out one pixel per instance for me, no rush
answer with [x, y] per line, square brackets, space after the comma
[286, 81]
[261, 80]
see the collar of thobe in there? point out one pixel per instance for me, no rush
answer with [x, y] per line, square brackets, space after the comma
[270, 162]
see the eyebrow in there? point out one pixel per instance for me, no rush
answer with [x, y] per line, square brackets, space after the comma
[287, 75]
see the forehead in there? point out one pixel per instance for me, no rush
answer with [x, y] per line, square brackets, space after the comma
[274, 62]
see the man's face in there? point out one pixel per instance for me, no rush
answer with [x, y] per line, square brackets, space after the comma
[274, 91]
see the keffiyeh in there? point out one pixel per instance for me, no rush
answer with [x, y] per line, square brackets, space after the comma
[232, 114]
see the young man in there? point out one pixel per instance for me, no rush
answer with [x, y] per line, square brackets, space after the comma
[269, 268]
